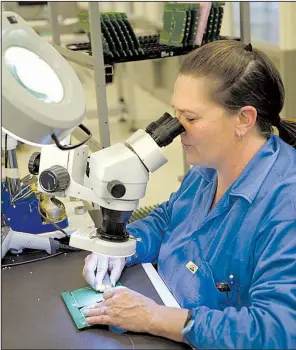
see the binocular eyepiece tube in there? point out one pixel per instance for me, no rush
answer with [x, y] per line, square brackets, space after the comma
[165, 130]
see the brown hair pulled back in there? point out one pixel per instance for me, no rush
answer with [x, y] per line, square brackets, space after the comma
[243, 76]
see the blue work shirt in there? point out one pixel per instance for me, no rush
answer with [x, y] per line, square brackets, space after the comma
[247, 240]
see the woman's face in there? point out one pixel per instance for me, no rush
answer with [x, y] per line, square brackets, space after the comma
[209, 135]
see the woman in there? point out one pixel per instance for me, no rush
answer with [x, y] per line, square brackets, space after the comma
[225, 242]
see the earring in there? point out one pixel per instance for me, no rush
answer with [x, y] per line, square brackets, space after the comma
[239, 136]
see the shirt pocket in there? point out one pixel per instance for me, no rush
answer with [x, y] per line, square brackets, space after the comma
[202, 290]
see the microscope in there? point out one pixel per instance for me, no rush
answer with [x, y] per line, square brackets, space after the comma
[43, 107]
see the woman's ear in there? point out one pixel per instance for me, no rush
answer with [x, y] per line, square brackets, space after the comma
[247, 117]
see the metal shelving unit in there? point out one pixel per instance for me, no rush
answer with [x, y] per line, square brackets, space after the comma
[96, 61]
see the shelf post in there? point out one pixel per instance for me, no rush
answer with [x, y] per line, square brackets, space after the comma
[53, 18]
[245, 26]
[99, 71]
[287, 45]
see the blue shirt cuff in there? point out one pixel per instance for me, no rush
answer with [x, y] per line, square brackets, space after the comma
[140, 250]
[132, 260]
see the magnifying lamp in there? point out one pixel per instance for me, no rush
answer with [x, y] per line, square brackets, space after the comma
[43, 99]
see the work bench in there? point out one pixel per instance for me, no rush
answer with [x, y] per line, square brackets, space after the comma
[34, 315]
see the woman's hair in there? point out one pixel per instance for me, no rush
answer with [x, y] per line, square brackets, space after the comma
[243, 76]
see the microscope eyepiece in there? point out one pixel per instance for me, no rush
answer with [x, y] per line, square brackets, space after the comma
[165, 129]
[161, 121]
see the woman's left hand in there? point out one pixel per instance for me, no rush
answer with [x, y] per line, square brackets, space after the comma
[125, 309]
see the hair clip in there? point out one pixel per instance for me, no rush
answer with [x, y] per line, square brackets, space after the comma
[249, 47]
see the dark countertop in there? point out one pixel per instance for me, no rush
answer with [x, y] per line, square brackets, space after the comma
[35, 316]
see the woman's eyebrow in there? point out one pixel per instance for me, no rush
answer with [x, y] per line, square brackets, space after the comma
[185, 110]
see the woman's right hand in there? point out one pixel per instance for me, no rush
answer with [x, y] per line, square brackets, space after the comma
[96, 271]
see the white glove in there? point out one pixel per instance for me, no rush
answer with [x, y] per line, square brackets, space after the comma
[96, 271]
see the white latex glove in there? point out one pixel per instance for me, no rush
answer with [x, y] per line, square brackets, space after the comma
[96, 271]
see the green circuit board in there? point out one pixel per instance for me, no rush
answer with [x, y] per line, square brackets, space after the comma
[179, 23]
[74, 310]
[174, 25]
[79, 299]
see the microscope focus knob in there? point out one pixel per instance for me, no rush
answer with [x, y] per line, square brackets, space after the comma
[54, 179]
[34, 163]
[116, 188]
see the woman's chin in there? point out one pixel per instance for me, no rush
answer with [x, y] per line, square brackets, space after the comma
[193, 159]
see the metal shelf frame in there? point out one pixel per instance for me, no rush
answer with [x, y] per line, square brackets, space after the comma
[96, 61]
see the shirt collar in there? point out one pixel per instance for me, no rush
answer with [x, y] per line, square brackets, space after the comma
[207, 174]
[252, 177]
